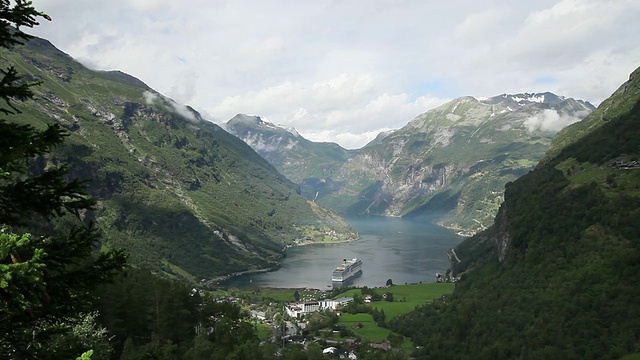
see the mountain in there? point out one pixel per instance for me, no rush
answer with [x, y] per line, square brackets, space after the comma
[183, 196]
[300, 160]
[456, 158]
[453, 160]
[555, 276]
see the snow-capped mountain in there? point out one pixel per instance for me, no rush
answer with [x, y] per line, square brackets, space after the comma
[289, 152]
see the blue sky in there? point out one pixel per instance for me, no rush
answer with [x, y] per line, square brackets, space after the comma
[343, 71]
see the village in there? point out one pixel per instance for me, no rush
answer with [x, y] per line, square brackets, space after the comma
[343, 322]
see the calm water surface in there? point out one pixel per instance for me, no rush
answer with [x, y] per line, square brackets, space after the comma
[406, 251]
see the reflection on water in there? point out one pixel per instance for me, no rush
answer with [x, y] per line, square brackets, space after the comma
[405, 251]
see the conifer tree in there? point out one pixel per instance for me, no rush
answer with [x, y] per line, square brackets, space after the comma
[46, 281]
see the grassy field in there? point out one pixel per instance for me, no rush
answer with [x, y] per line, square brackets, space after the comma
[369, 330]
[264, 330]
[406, 297]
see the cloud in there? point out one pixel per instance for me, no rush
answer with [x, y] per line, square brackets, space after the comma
[550, 121]
[149, 97]
[182, 110]
[345, 139]
[351, 67]
[478, 24]
[349, 109]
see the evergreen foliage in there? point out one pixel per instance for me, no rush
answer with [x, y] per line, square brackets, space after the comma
[151, 317]
[46, 275]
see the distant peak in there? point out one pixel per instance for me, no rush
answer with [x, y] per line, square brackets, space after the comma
[258, 122]
[292, 130]
[525, 98]
[246, 119]
[252, 120]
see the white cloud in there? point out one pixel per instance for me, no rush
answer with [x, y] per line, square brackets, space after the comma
[179, 109]
[149, 97]
[550, 121]
[348, 109]
[346, 139]
[346, 69]
[478, 24]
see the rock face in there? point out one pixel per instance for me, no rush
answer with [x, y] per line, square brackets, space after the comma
[183, 196]
[453, 160]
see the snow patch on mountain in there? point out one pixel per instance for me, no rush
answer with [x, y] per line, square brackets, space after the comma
[537, 98]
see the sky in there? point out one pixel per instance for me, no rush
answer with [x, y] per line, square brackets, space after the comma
[343, 71]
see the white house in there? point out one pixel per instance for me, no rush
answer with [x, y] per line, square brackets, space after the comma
[301, 308]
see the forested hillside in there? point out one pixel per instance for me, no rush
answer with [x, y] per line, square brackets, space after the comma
[184, 197]
[555, 277]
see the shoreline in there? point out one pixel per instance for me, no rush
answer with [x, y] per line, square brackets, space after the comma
[216, 280]
[297, 243]
[300, 242]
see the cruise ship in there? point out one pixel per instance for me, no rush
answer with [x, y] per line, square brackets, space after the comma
[346, 270]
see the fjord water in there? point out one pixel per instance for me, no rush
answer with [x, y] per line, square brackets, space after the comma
[406, 251]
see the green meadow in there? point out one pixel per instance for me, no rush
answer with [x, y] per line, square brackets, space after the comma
[369, 330]
[406, 297]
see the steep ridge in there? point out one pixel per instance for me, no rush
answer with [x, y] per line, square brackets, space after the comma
[555, 276]
[183, 196]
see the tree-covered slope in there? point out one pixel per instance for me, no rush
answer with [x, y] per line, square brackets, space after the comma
[179, 193]
[555, 277]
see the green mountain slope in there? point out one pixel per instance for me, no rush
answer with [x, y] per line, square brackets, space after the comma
[620, 102]
[555, 277]
[181, 194]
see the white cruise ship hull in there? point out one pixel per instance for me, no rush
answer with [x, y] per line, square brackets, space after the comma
[347, 270]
